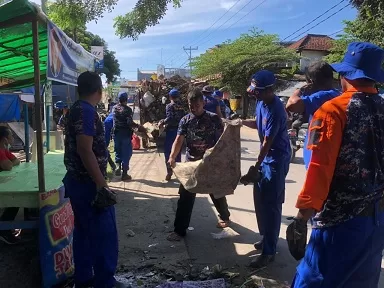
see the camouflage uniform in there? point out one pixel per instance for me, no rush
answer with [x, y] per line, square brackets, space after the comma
[122, 125]
[201, 133]
[95, 231]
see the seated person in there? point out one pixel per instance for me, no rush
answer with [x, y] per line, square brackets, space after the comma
[7, 162]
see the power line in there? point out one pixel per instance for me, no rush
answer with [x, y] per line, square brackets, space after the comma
[190, 49]
[225, 22]
[313, 20]
[216, 21]
[182, 65]
[322, 21]
[238, 11]
[221, 17]
[257, 6]
[334, 33]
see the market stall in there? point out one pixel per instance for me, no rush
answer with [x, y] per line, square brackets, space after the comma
[33, 49]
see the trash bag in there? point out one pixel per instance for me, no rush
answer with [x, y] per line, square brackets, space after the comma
[219, 171]
[135, 142]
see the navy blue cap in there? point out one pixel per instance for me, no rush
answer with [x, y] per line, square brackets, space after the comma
[174, 93]
[217, 93]
[123, 95]
[61, 105]
[361, 61]
[262, 80]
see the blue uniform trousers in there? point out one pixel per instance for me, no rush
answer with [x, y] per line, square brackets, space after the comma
[170, 137]
[347, 255]
[123, 148]
[268, 196]
[95, 244]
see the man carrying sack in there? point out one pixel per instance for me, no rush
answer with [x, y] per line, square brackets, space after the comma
[344, 187]
[201, 130]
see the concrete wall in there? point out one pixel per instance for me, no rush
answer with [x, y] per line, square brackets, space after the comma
[308, 56]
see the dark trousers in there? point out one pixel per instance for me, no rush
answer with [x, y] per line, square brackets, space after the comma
[110, 161]
[185, 207]
[95, 243]
[123, 148]
[268, 195]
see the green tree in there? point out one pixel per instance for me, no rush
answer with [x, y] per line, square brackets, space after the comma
[73, 15]
[147, 13]
[368, 26]
[237, 60]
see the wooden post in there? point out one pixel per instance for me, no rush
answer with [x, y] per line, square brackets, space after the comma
[26, 132]
[245, 104]
[39, 128]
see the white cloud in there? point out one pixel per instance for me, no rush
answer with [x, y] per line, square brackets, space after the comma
[227, 4]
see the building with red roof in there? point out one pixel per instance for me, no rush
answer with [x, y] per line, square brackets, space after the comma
[312, 47]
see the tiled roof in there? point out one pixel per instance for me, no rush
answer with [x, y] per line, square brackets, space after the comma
[313, 42]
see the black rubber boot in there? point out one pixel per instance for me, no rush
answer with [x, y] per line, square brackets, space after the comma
[125, 176]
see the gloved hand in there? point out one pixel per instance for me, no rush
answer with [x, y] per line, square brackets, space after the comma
[252, 176]
[104, 198]
[297, 237]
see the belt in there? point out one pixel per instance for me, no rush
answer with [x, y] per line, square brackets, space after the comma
[370, 210]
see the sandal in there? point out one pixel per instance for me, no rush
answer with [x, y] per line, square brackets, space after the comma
[174, 237]
[223, 224]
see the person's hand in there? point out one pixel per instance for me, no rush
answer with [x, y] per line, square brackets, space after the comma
[101, 186]
[252, 176]
[172, 162]
[297, 237]
[161, 123]
[142, 129]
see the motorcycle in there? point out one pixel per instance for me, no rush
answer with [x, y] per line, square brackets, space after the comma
[297, 139]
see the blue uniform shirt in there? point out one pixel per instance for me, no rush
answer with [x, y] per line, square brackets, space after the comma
[84, 120]
[108, 125]
[271, 121]
[312, 103]
[211, 104]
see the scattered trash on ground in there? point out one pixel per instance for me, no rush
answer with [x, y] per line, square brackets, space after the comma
[191, 228]
[226, 233]
[183, 277]
[129, 233]
[216, 283]
[153, 245]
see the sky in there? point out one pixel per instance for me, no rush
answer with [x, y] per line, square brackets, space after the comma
[190, 25]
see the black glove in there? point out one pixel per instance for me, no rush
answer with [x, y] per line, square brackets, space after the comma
[252, 176]
[297, 237]
[105, 197]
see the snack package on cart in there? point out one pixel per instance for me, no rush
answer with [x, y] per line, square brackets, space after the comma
[219, 171]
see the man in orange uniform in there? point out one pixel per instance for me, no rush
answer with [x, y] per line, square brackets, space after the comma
[344, 187]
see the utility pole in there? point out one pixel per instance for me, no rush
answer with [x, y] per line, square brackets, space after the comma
[190, 49]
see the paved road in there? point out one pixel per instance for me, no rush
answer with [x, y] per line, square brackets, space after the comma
[238, 251]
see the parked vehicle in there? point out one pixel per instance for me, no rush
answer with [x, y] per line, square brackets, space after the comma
[297, 139]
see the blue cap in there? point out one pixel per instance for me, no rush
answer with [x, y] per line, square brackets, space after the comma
[217, 93]
[361, 61]
[174, 93]
[123, 95]
[261, 80]
[61, 105]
